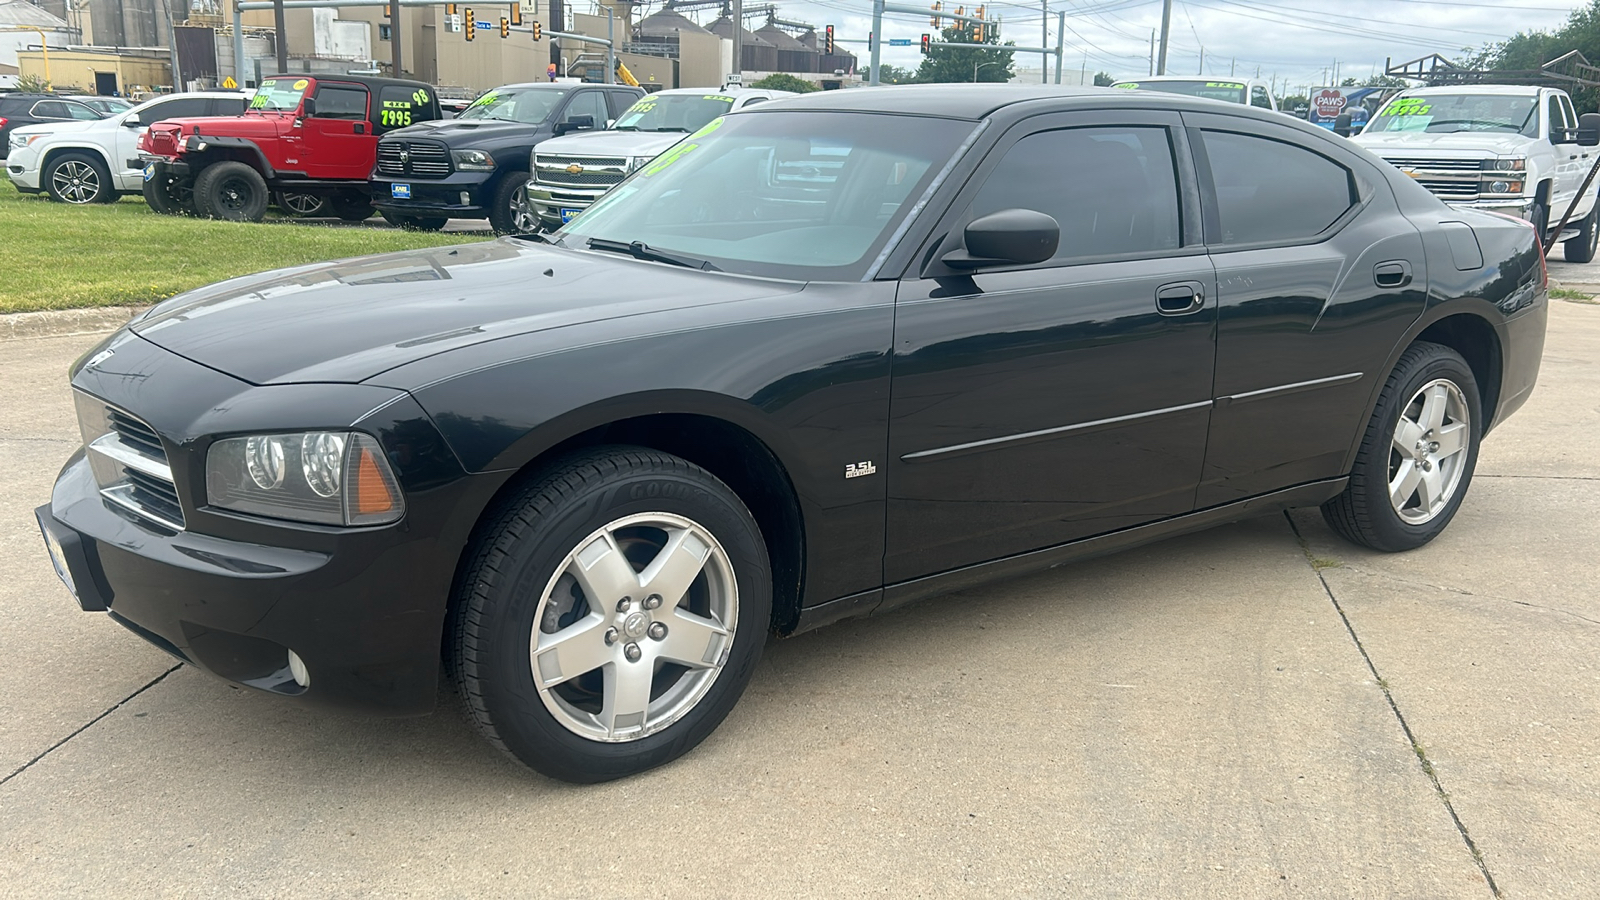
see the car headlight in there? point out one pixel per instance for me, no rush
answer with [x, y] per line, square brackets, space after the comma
[18, 141]
[326, 477]
[473, 161]
[638, 161]
[1507, 164]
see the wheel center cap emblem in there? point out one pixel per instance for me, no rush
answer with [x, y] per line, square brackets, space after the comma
[636, 625]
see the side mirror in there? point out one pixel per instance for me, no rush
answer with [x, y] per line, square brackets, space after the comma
[1341, 125]
[1007, 237]
[132, 121]
[308, 108]
[1589, 130]
[575, 123]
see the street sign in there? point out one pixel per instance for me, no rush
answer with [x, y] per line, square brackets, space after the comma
[900, 42]
[229, 83]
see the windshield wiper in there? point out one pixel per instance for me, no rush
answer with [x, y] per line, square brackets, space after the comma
[641, 250]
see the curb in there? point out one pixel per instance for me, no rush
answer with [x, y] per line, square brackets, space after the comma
[64, 322]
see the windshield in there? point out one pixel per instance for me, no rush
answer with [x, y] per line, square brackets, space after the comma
[1228, 91]
[802, 195]
[279, 95]
[529, 107]
[1448, 113]
[674, 112]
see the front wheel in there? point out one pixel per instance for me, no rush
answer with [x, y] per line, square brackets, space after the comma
[1581, 249]
[231, 191]
[414, 223]
[510, 213]
[1417, 456]
[79, 179]
[611, 615]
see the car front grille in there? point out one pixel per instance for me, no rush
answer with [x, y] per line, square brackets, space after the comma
[1435, 165]
[1451, 190]
[418, 159]
[580, 171]
[129, 463]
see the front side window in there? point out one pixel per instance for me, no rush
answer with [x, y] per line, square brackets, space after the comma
[1271, 191]
[1112, 190]
[279, 94]
[1258, 97]
[591, 104]
[674, 112]
[1558, 121]
[339, 102]
[1449, 113]
[804, 195]
[529, 107]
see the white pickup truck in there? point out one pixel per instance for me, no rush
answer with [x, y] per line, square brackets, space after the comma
[1506, 148]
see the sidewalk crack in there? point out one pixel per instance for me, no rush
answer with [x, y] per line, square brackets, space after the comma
[1416, 748]
[1373, 573]
[85, 726]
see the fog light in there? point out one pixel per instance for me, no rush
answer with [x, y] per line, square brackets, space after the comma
[297, 670]
[1499, 187]
[466, 198]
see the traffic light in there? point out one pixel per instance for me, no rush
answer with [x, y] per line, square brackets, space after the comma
[388, 11]
[449, 9]
[960, 11]
[827, 41]
[925, 43]
[505, 28]
[516, 14]
[470, 26]
[538, 30]
[933, 20]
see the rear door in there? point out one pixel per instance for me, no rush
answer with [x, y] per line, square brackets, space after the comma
[1318, 275]
[1034, 405]
[337, 142]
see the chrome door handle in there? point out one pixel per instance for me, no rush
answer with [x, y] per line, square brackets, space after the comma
[1180, 299]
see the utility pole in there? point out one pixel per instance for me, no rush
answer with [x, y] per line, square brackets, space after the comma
[1044, 40]
[1202, 69]
[738, 45]
[278, 39]
[1166, 26]
[875, 39]
[397, 42]
[1152, 51]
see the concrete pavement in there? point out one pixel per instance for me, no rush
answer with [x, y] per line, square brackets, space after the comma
[1258, 710]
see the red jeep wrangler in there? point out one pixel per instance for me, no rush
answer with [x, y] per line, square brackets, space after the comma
[301, 136]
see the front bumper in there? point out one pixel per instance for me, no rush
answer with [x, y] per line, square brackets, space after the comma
[461, 195]
[363, 608]
[548, 202]
[1520, 208]
[22, 167]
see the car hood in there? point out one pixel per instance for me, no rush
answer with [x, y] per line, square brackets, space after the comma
[611, 143]
[1470, 143]
[350, 320]
[459, 133]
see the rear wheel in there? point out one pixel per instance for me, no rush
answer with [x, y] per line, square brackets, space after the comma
[79, 179]
[510, 213]
[168, 196]
[414, 223]
[1417, 456]
[231, 191]
[1581, 249]
[302, 206]
[352, 207]
[611, 614]
[1539, 216]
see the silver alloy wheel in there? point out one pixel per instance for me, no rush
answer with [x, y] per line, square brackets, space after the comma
[1428, 453]
[302, 204]
[76, 182]
[522, 215]
[634, 627]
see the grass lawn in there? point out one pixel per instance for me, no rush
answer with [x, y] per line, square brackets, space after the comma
[55, 256]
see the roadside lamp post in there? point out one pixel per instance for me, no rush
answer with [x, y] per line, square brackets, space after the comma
[977, 66]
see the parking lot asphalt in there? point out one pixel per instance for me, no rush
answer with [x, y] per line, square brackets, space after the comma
[1256, 710]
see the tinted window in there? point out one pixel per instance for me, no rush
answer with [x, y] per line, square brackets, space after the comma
[180, 108]
[50, 109]
[227, 106]
[399, 106]
[1272, 191]
[619, 101]
[341, 103]
[1112, 190]
[588, 103]
[1558, 121]
[1258, 97]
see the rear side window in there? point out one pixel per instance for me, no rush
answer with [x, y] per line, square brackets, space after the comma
[1112, 190]
[400, 106]
[334, 102]
[182, 108]
[49, 109]
[227, 106]
[1271, 191]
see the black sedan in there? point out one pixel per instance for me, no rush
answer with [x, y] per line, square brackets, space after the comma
[824, 357]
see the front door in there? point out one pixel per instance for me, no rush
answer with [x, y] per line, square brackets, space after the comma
[1034, 405]
[337, 142]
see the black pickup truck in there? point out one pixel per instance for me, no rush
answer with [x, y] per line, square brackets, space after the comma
[475, 166]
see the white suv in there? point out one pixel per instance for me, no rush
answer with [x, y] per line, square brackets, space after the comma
[94, 162]
[1507, 148]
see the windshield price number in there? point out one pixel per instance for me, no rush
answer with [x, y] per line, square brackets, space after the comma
[395, 113]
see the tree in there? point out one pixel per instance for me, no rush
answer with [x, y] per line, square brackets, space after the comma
[783, 81]
[32, 84]
[954, 64]
[1103, 79]
[1531, 49]
[888, 74]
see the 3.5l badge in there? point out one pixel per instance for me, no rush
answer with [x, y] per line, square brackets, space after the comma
[858, 469]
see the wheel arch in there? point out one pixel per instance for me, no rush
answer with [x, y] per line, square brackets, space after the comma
[732, 452]
[228, 149]
[56, 151]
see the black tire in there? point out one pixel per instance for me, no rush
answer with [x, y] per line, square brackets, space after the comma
[300, 205]
[1581, 249]
[508, 213]
[78, 179]
[522, 550]
[1539, 216]
[413, 223]
[1364, 513]
[353, 207]
[230, 191]
[162, 196]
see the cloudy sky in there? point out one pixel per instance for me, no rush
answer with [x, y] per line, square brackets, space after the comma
[1297, 40]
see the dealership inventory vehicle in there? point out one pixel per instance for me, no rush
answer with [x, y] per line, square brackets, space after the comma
[95, 161]
[821, 359]
[20, 109]
[301, 135]
[1247, 91]
[1514, 149]
[475, 166]
[571, 172]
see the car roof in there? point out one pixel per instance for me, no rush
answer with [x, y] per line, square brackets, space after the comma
[721, 92]
[977, 101]
[554, 85]
[1142, 79]
[368, 80]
